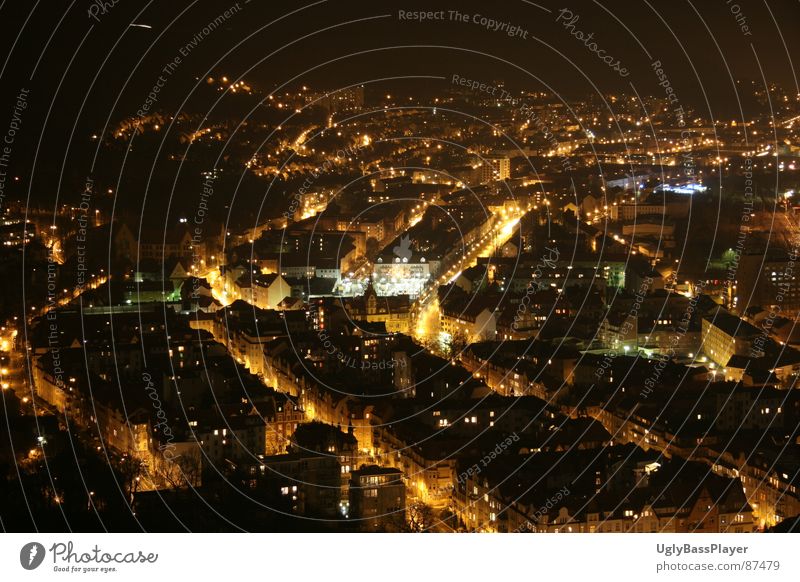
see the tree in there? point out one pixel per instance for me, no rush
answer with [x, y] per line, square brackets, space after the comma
[728, 257]
[420, 517]
[131, 469]
[456, 344]
[178, 472]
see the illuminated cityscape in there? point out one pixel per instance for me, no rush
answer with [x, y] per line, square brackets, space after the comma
[424, 290]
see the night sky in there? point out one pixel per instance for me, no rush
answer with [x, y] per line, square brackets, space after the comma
[84, 73]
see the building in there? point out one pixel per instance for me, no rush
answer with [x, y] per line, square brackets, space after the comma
[495, 168]
[283, 415]
[377, 497]
[269, 290]
[172, 242]
[768, 281]
[393, 311]
[404, 272]
[231, 439]
[627, 212]
[725, 335]
[306, 484]
[619, 331]
[474, 321]
[347, 99]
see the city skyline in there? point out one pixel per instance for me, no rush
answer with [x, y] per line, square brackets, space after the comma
[343, 267]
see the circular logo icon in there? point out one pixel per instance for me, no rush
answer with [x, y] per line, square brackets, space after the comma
[31, 555]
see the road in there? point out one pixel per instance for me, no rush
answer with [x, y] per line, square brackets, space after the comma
[780, 226]
[425, 314]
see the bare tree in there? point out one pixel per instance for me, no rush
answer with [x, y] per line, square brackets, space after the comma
[131, 469]
[420, 517]
[177, 473]
[456, 344]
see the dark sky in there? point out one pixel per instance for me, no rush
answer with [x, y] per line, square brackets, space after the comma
[697, 42]
[82, 72]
